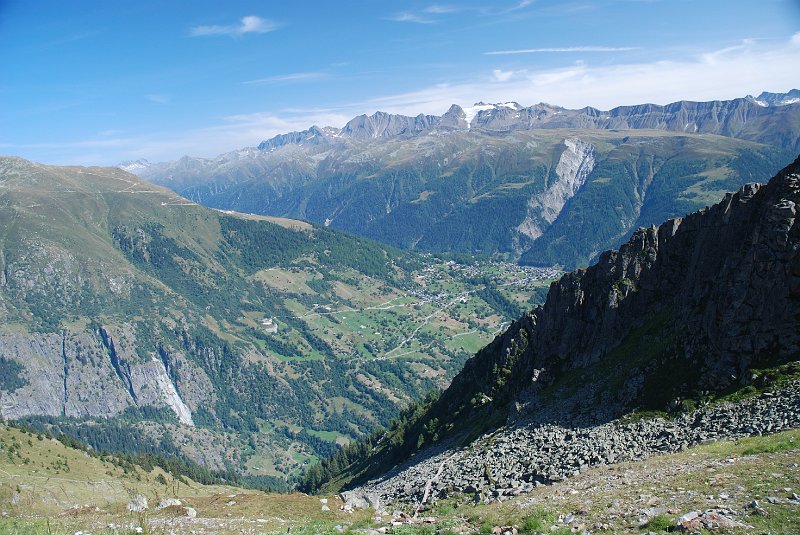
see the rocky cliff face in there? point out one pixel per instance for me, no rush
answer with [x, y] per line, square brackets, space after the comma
[382, 124]
[572, 170]
[312, 136]
[85, 374]
[682, 311]
[683, 308]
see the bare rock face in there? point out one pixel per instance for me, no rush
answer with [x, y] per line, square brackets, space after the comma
[93, 374]
[67, 374]
[381, 124]
[574, 166]
[717, 287]
[154, 387]
[138, 504]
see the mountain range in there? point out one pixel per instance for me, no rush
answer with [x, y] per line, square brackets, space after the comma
[501, 179]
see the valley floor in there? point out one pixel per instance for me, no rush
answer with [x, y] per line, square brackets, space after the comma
[751, 482]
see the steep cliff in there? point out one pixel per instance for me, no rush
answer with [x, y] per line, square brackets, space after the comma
[681, 314]
[571, 172]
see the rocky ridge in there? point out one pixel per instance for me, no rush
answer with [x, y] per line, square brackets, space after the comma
[678, 313]
[714, 117]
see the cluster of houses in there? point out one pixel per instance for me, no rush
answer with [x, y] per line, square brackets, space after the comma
[269, 325]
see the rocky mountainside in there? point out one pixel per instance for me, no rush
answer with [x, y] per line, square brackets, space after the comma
[697, 311]
[438, 183]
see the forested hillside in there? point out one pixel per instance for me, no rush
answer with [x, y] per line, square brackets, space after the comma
[139, 321]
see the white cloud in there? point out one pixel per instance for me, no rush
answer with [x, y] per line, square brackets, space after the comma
[796, 39]
[499, 75]
[248, 24]
[407, 16]
[290, 77]
[522, 4]
[561, 49]
[747, 68]
[438, 9]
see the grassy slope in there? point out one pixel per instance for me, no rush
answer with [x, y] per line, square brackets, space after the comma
[44, 483]
[724, 474]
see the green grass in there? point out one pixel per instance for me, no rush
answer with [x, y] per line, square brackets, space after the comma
[330, 436]
[414, 530]
[779, 442]
[537, 520]
[659, 523]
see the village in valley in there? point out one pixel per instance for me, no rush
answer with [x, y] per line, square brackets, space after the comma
[444, 309]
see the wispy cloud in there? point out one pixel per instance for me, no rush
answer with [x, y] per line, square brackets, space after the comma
[435, 13]
[407, 16]
[522, 4]
[248, 24]
[157, 99]
[749, 67]
[290, 77]
[561, 49]
[438, 9]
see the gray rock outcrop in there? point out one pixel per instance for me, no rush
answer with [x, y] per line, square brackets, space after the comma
[518, 458]
[85, 374]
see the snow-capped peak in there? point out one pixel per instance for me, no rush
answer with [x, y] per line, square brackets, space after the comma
[134, 166]
[766, 99]
[470, 113]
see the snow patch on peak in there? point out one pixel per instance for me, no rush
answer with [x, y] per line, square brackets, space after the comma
[478, 107]
[134, 166]
[470, 113]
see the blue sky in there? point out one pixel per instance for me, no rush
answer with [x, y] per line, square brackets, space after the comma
[105, 81]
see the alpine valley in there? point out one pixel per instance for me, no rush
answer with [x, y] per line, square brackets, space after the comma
[381, 311]
[686, 334]
[140, 321]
